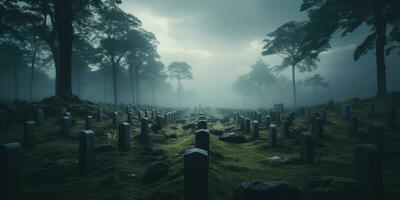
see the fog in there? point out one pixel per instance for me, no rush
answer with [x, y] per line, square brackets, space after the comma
[221, 41]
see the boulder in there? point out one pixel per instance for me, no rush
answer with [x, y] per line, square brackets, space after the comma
[154, 172]
[262, 190]
[233, 137]
[188, 126]
[275, 160]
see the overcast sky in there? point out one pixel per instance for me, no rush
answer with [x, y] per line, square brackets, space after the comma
[221, 39]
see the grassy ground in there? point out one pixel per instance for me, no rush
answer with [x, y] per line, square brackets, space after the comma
[50, 169]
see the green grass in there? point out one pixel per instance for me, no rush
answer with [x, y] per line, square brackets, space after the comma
[50, 170]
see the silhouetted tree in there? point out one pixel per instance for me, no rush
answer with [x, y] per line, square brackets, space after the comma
[262, 76]
[298, 50]
[315, 82]
[380, 15]
[180, 71]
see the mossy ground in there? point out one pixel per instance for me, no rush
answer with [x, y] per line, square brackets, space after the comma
[50, 169]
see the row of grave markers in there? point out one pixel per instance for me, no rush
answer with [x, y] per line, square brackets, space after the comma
[11, 153]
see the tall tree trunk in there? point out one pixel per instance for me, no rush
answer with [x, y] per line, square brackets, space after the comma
[380, 24]
[179, 92]
[2, 72]
[15, 80]
[153, 96]
[78, 83]
[260, 96]
[132, 84]
[63, 18]
[137, 84]
[294, 85]
[114, 79]
[33, 72]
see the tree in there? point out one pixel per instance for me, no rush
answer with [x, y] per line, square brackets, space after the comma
[180, 71]
[244, 86]
[142, 48]
[380, 15]
[315, 82]
[297, 49]
[115, 25]
[262, 76]
[155, 76]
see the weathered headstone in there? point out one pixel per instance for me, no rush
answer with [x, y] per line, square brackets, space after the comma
[255, 128]
[353, 124]
[345, 113]
[88, 123]
[145, 126]
[130, 117]
[377, 137]
[195, 174]
[247, 125]
[202, 139]
[267, 121]
[29, 134]
[10, 171]
[65, 126]
[368, 163]
[115, 119]
[39, 117]
[272, 136]
[202, 124]
[285, 127]
[242, 123]
[123, 136]
[318, 127]
[99, 115]
[306, 148]
[86, 151]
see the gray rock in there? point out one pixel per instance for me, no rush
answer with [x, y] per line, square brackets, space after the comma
[275, 160]
[154, 172]
[259, 190]
[216, 132]
[233, 137]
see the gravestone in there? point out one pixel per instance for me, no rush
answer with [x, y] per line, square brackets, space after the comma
[3, 120]
[324, 116]
[10, 171]
[371, 110]
[115, 119]
[99, 115]
[377, 137]
[65, 126]
[29, 134]
[123, 136]
[285, 128]
[130, 117]
[86, 151]
[272, 136]
[259, 118]
[39, 117]
[392, 118]
[166, 118]
[318, 127]
[145, 126]
[353, 124]
[306, 148]
[242, 123]
[202, 124]
[195, 174]
[255, 129]
[88, 123]
[202, 139]
[247, 125]
[368, 163]
[345, 113]
[267, 121]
